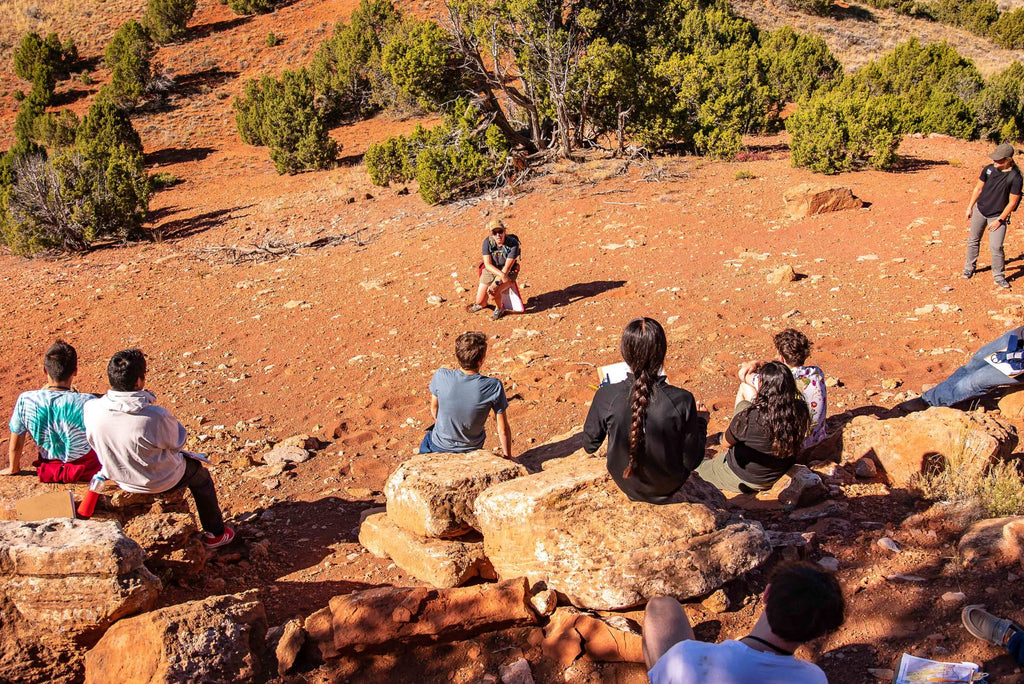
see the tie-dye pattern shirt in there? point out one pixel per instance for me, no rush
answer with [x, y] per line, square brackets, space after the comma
[54, 419]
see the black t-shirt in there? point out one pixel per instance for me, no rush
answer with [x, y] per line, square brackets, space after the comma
[999, 185]
[752, 457]
[499, 255]
[674, 438]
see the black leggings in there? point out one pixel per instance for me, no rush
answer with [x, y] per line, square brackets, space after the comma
[199, 482]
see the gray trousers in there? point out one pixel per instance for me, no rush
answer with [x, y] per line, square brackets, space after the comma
[995, 244]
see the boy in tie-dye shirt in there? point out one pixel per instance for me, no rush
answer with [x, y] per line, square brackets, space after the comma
[53, 417]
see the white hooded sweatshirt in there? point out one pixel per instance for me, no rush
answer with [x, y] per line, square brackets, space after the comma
[138, 443]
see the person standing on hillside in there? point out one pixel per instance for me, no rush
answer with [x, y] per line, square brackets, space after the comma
[499, 270]
[995, 196]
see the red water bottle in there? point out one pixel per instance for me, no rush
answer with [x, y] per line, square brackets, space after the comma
[88, 505]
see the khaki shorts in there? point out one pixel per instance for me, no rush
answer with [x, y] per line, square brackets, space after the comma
[486, 277]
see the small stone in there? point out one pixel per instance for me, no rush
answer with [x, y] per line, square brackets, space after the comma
[831, 382]
[891, 383]
[718, 602]
[889, 545]
[516, 672]
[783, 274]
[544, 602]
[829, 563]
[435, 300]
[882, 673]
[273, 483]
[865, 468]
[293, 304]
[954, 597]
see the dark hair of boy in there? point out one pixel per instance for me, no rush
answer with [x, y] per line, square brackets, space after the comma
[804, 602]
[643, 347]
[125, 369]
[793, 346]
[470, 348]
[60, 361]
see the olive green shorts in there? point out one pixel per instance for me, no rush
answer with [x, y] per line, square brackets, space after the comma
[486, 277]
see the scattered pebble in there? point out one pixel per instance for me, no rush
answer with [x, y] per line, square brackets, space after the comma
[889, 545]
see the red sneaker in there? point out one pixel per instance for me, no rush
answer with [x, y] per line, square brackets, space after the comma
[213, 541]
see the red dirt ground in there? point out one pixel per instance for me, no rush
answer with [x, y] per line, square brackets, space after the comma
[341, 340]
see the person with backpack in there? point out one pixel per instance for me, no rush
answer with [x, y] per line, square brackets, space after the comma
[501, 255]
[53, 416]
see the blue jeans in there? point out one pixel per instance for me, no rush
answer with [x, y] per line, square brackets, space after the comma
[426, 446]
[973, 379]
[1015, 646]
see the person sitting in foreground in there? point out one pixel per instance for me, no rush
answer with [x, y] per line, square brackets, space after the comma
[801, 603]
[978, 376]
[461, 400]
[140, 444]
[998, 631]
[53, 416]
[500, 268]
[765, 436]
[794, 348]
[655, 431]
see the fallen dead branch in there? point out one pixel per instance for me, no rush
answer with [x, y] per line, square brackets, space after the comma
[272, 247]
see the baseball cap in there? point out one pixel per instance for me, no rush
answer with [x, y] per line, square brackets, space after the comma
[1003, 151]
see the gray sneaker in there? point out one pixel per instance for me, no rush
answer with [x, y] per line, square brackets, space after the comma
[473, 308]
[967, 275]
[987, 626]
[498, 313]
[1003, 284]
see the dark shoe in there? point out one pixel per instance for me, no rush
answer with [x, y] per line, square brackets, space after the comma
[473, 308]
[987, 626]
[498, 313]
[967, 275]
[1003, 284]
[211, 541]
[910, 406]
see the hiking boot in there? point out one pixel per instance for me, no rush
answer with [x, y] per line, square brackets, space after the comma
[212, 541]
[967, 275]
[473, 308]
[987, 626]
[498, 313]
[1003, 284]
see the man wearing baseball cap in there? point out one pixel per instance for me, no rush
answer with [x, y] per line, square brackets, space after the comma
[995, 196]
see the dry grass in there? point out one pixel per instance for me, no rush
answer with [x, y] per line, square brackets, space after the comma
[89, 22]
[998, 491]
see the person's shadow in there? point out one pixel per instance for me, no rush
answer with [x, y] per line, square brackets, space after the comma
[573, 293]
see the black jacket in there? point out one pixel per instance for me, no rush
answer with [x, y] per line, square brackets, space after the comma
[674, 441]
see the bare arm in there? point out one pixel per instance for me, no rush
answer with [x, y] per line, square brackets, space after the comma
[504, 434]
[433, 406]
[975, 194]
[14, 449]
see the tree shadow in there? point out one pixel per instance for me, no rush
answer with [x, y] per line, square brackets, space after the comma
[908, 164]
[571, 294]
[206, 30]
[852, 12]
[177, 155]
[68, 97]
[187, 85]
[185, 227]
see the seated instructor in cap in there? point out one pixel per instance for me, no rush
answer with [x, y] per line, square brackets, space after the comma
[500, 268]
[995, 196]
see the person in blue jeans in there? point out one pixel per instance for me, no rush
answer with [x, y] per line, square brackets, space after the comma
[995, 630]
[976, 377]
[461, 401]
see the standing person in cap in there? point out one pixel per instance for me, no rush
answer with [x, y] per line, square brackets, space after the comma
[995, 196]
[499, 270]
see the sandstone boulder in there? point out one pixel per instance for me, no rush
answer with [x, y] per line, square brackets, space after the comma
[217, 639]
[286, 454]
[432, 494]
[809, 199]
[384, 615]
[62, 584]
[166, 529]
[996, 539]
[444, 563]
[1011, 406]
[573, 529]
[799, 487]
[571, 633]
[936, 438]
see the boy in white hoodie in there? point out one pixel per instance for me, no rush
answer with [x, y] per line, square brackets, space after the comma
[140, 444]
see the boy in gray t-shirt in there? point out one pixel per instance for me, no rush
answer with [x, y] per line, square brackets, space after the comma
[462, 399]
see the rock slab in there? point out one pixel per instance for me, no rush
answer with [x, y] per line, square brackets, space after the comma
[996, 539]
[571, 528]
[386, 615]
[936, 438]
[809, 199]
[213, 640]
[432, 495]
[443, 563]
[62, 584]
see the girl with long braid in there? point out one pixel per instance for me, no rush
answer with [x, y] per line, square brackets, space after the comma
[655, 431]
[765, 436]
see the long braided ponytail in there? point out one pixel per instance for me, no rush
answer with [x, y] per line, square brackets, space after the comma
[643, 347]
